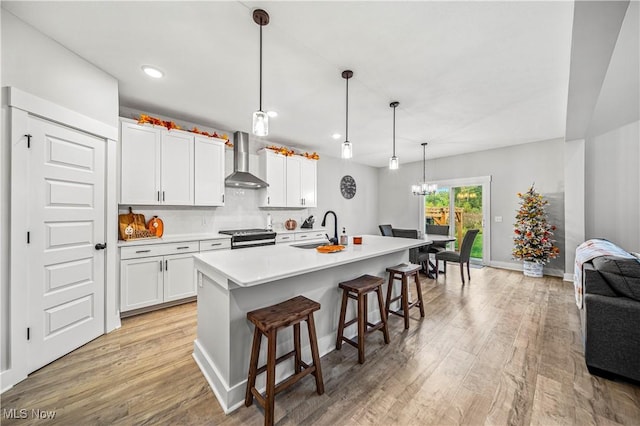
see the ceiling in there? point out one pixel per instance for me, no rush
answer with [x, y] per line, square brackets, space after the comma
[469, 76]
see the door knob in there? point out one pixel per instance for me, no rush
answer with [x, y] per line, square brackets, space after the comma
[100, 246]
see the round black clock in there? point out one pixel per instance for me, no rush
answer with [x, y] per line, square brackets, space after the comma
[348, 187]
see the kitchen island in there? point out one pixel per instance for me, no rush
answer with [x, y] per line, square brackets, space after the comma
[234, 282]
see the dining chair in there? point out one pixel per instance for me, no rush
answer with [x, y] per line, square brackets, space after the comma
[436, 246]
[461, 256]
[415, 255]
[386, 230]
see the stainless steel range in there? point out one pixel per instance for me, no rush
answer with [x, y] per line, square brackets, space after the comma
[242, 238]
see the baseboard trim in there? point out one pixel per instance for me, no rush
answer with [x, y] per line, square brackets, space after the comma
[518, 267]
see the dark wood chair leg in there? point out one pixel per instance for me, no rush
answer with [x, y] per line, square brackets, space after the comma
[468, 272]
[315, 355]
[419, 291]
[362, 326]
[296, 347]
[405, 301]
[343, 313]
[270, 397]
[383, 315]
[253, 366]
[462, 271]
[389, 292]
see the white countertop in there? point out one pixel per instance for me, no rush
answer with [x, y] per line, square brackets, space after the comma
[299, 230]
[259, 265]
[173, 239]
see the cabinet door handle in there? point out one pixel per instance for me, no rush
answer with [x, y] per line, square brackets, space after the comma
[286, 238]
[161, 266]
[158, 195]
[143, 251]
[223, 198]
[162, 195]
[183, 247]
[268, 200]
[166, 265]
[216, 244]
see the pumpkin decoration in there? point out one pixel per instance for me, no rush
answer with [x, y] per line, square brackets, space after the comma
[290, 224]
[156, 226]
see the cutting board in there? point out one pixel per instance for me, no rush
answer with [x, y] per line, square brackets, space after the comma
[132, 225]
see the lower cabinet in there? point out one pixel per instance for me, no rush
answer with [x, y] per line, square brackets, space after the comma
[150, 275]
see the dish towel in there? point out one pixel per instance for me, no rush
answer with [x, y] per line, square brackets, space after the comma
[588, 250]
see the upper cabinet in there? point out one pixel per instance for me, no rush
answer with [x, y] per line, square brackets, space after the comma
[158, 166]
[291, 179]
[209, 171]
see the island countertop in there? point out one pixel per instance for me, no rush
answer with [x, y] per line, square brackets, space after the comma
[259, 265]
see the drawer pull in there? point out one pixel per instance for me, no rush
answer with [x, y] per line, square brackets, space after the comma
[143, 251]
[286, 238]
[216, 244]
[182, 248]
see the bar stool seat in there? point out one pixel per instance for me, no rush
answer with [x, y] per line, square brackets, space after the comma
[403, 272]
[358, 289]
[267, 322]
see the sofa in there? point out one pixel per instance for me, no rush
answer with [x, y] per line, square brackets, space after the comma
[611, 316]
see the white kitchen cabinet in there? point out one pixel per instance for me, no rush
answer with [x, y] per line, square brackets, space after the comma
[156, 165]
[179, 277]
[141, 282]
[209, 171]
[273, 170]
[292, 180]
[310, 235]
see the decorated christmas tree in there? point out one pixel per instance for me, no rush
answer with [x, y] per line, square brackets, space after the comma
[533, 234]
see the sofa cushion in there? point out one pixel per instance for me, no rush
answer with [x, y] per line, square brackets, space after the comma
[622, 275]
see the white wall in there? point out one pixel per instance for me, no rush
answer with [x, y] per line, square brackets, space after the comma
[612, 181]
[39, 66]
[512, 170]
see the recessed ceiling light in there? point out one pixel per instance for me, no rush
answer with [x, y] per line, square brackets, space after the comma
[152, 72]
[272, 114]
[336, 135]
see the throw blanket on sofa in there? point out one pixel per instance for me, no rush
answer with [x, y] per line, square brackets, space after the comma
[587, 251]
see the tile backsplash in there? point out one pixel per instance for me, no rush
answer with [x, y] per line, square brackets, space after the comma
[240, 211]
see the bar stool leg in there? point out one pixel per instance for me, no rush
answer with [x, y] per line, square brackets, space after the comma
[269, 403]
[343, 313]
[383, 315]
[313, 340]
[362, 325]
[253, 366]
[389, 292]
[419, 291]
[296, 347]
[405, 301]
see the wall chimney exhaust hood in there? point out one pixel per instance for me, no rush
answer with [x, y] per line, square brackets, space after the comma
[241, 178]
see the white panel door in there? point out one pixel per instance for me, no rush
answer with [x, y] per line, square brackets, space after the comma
[177, 168]
[209, 172]
[66, 205]
[140, 164]
[179, 277]
[294, 194]
[308, 185]
[141, 282]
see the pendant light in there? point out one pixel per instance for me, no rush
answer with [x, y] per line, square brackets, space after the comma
[260, 118]
[393, 161]
[424, 188]
[347, 149]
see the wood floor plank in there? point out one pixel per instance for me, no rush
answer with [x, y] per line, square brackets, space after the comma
[502, 350]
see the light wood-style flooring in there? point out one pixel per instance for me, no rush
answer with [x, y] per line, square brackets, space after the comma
[502, 350]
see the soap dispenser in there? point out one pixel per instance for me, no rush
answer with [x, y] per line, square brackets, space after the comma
[344, 239]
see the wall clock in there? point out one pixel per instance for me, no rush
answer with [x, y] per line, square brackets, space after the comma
[348, 187]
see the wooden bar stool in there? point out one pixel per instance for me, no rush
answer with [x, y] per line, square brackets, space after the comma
[358, 289]
[267, 322]
[403, 272]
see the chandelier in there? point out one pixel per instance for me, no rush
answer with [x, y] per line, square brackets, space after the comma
[424, 188]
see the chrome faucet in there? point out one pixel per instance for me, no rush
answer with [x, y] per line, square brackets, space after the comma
[333, 240]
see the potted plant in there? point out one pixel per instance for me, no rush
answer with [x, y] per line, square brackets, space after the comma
[532, 239]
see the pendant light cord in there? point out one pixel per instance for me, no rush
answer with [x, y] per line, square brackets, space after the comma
[394, 131]
[347, 113]
[424, 162]
[261, 25]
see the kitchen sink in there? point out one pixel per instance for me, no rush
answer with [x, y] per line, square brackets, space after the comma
[310, 245]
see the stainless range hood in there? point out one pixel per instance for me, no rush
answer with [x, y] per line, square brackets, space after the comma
[241, 178]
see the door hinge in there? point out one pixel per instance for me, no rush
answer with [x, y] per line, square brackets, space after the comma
[28, 141]
[28, 333]
[28, 237]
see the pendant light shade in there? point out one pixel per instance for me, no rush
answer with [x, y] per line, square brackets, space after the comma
[424, 188]
[393, 161]
[347, 148]
[260, 118]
